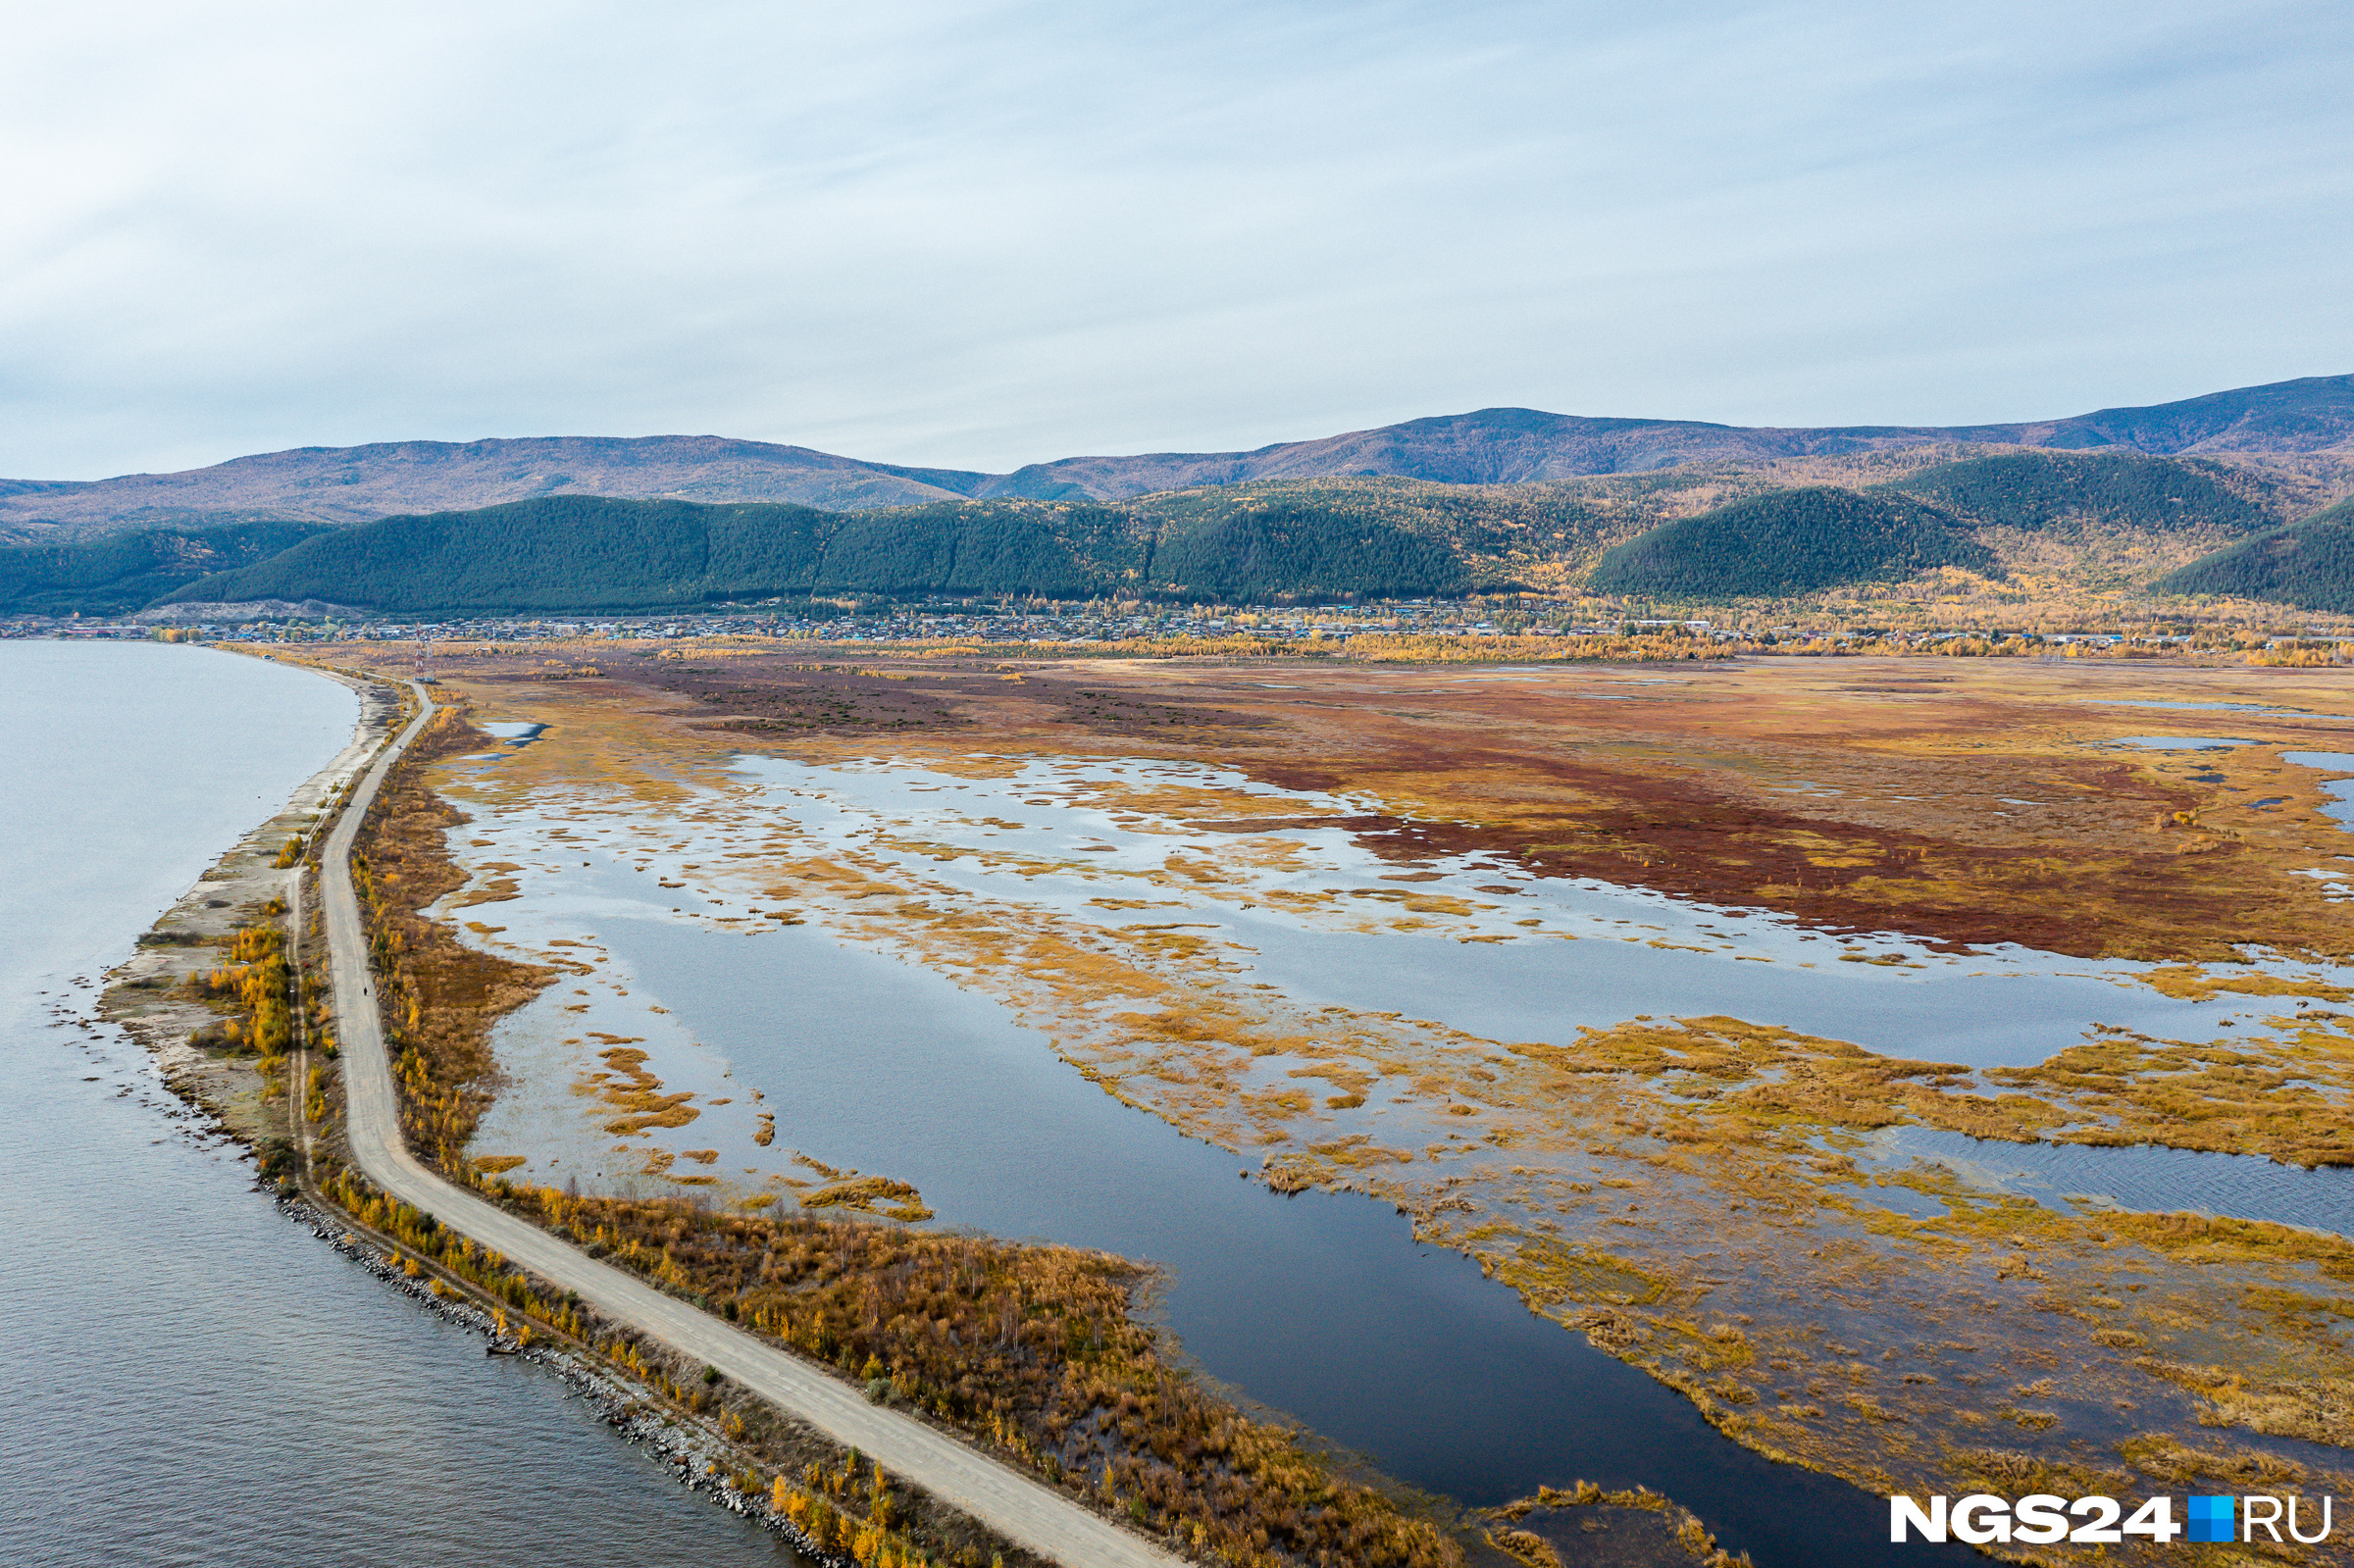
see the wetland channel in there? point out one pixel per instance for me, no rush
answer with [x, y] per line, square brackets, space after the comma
[1320, 1305]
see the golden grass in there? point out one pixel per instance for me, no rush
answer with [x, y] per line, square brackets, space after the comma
[439, 998]
[629, 1088]
[1678, 1177]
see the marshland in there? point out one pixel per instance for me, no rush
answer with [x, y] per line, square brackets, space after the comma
[1638, 1079]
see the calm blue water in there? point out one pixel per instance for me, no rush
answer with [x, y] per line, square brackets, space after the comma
[2146, 1178]
[2340, 790]
[190, 1378]
[1545, 990]
[1322, 1305]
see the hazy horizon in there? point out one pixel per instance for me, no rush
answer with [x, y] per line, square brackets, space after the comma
[982, 234]
[917, 464]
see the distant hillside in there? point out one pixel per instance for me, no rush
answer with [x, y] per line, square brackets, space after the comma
[123, 572]
[1496, 535]
[1520, 446]
[343, 485]
[571, 554]
[2039, 491]
[2308, 564]
[1289, 548]
[1786, 542]
[2315, 414]
[1491, 446]
[2103, 520]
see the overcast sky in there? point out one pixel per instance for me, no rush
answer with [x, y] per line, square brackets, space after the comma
[981, 234]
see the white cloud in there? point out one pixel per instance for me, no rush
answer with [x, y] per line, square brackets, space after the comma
[985, 233]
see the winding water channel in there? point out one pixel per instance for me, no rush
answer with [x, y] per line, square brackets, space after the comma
[1320, 1305]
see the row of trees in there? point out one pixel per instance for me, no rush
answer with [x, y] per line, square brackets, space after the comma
[255, 986]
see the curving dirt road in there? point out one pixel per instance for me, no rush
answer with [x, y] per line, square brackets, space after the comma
[1023, 1510]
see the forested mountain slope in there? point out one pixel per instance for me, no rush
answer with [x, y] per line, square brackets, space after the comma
[2308, 564]
[123, 572]
[577, 554]
[1787, 542]
[2040, 490]
[2101, 520]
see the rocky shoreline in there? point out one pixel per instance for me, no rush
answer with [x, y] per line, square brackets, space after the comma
[145, 996]
[697, 1457]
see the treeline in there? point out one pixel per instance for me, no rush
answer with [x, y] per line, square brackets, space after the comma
[2308, 564]
[126, 572]
[1787, 542]
[577, 554]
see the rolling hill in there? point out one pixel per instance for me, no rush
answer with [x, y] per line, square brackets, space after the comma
[2308, 564]
[123, 572]
[1786, 542]
[343, 485]
[566, 554]
[1709, 536]
[1520, 446]
[2092, 512]
[2039, 490]
[2051, 520]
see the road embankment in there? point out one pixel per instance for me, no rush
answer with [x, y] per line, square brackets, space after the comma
[1024, 1511]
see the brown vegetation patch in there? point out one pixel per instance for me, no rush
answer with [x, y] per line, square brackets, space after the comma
[629, 1088]
[440, 998]
[1113, 711]
[772, 695]
[870, 1194]
[1598, 1529]
[1030, 1350]
[2289, 1100]
[1682, 833]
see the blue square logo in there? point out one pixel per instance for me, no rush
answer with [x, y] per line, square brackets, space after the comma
[2211, 1519]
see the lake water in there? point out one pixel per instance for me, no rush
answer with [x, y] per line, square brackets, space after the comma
[2340, 790]
[190, 1378]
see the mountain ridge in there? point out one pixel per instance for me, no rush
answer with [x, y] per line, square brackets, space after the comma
[343, 485]
[2110, 517]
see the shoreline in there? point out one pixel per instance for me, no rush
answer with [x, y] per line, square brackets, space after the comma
[241, 1101]
[234, 1100]
[683, 1445]
[147, 993]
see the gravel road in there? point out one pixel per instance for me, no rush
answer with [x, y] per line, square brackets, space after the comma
[1021, 1510]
